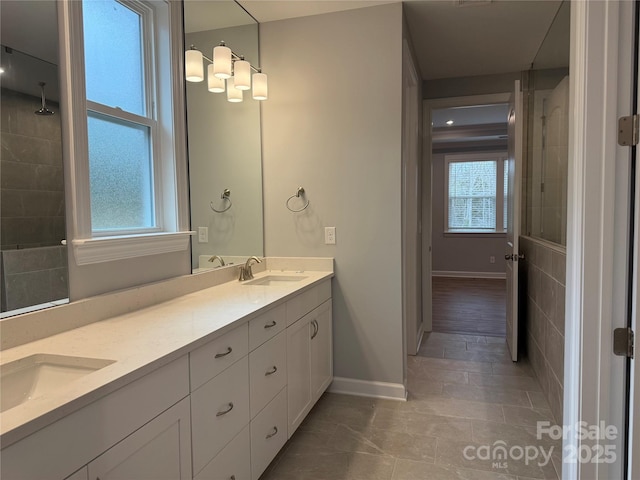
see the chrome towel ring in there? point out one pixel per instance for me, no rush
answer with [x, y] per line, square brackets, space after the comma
[299, 193]
[225, 198]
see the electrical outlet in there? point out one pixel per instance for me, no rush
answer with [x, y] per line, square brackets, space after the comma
[330, 235]
[203, 234]
[492, 259]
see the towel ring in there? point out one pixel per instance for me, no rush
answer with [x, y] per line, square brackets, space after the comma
[225, 197]
[299, 193]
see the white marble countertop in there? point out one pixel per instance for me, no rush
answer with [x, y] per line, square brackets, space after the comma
[140, 342]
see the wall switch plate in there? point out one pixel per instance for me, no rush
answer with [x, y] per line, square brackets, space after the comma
[203, 234]
[330, 235]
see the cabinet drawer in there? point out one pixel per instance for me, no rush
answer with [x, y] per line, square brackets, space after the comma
[302, 304]
[266, 326]
[209, 360]
[268, 434]
[231, 462]
[267, 372]
[219, 411]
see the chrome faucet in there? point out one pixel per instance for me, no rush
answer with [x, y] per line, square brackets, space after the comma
[245, 271]
[219, 258]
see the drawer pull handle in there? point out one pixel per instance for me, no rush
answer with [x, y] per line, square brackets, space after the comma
[224, 412]
[220, 355]
[315, 329]
[273, 434]
[270, 325]
[271, 372]
[232, 477]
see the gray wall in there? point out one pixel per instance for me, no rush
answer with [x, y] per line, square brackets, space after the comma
[542, 297]
[460, 252]
[333, 124]
[463, 86]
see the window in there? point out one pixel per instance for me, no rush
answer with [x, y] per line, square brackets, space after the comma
[476, 192]
[121, 122]
[124, 91]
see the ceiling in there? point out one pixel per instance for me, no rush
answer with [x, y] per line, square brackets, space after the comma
[452, 38]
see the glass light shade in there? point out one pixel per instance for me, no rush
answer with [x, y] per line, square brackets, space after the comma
[194, 69]
[242, 75]
[222, 61]
[214, 84]
[233, 94]
[260, 87]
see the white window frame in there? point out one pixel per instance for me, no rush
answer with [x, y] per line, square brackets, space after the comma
[169, 148]
[500, 158]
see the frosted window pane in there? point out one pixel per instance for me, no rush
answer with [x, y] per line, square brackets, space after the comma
[472, 195]
[114, 55]
[120, 174]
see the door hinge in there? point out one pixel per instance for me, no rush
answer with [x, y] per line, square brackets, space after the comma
[623, 342]
[628, 130]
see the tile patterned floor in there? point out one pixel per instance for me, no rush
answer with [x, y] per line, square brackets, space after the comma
[464, 395]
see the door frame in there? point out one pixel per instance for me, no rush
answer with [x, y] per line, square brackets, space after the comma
[597, 228]
[427, 203]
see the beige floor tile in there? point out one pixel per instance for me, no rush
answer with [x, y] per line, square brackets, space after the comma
[495, 394]
[452, 364]
[455, 337]
[517, 382]
[514, 368]
[488, 347]
[528, 417]
[422, 424]
[538, 400]
[412, 470]
[452, 407]
[419, 372]
[471, 356]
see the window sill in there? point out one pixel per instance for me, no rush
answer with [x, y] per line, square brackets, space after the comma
[478, 234]
[107, 249]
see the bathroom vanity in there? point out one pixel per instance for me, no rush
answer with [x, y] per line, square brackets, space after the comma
[208, 385]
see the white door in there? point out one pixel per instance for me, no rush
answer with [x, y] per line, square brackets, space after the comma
[411, 214]
[514, 187]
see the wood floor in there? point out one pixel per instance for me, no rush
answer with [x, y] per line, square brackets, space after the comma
[469, 306]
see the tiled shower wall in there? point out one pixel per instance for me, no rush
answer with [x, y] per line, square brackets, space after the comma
[32, 183]
[542, 296]
[31, 203]
[33, 276]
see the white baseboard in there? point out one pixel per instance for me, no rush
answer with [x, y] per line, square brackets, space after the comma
[367, 388]
[455, 274]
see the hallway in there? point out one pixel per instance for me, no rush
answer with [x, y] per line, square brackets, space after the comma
[479, 399]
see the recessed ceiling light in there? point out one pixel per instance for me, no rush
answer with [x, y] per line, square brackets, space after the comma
[449, 122]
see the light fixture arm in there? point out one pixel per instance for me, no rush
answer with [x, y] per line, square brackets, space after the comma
[234, 57]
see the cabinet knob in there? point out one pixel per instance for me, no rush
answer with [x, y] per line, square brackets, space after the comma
[224, 412]
[272, 371]
[219, 355]
[270, 325]
[272, 434]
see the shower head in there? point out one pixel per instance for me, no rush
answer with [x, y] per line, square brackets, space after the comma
[43, 109]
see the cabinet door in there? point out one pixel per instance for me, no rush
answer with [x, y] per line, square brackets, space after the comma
[268, 434]
[321, 351]
[267, 372]
[82, 474]
[298, 366]
[159, 450]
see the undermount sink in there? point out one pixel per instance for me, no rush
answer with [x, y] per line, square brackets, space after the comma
[39, 374]
[275, 280]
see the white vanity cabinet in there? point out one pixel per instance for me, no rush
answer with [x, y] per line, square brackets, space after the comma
[221, 412]
[309, 362]
[129, 423]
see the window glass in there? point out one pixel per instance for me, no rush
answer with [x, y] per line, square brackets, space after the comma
[114, 58]
[472, 195]
[120, 173]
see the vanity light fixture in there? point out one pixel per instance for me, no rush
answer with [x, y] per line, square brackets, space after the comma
[229, 66]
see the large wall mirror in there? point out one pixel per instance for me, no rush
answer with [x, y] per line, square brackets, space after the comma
[548, 134]
[224, 140]
[32, 220]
